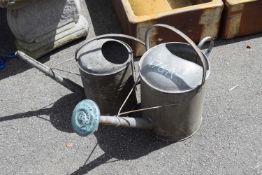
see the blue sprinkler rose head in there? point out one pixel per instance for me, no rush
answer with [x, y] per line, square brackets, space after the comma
[85, 117]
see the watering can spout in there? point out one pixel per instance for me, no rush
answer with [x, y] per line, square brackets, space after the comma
[72, 86]
[86, 118]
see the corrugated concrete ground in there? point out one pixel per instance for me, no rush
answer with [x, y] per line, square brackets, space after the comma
[36, 137]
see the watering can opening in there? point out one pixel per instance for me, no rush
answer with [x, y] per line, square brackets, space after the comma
[115, 52]
[104, 57]
[171, 68]
[183, 51]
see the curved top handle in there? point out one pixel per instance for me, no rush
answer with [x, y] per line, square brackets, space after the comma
[190, 42]
[210, 47]
[115, 35]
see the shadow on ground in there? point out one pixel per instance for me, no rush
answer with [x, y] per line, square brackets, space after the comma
[221, 42]
[59, 113]
[121, 144]
[103, 16]
[7, 40]
[117, 143]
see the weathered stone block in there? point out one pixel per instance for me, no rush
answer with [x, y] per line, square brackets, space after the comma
[44, 25]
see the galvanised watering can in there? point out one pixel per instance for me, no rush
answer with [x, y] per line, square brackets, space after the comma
[107, 72]
[173, 80]
[174, 73]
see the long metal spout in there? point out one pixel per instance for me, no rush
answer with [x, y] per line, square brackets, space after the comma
[86, 118]
[127, 122]
[72, 86]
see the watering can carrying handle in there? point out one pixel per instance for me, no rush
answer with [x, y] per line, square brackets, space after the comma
[181, 34]
[108, 36]
[204, 41]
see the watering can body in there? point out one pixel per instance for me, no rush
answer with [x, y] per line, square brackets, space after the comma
[106, 68]
[107, 73]
[183, 118]
[173, 76]
[177, 122]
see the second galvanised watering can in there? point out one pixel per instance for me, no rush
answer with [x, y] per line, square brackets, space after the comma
[107, 72]
[173, 75]
[173, 79]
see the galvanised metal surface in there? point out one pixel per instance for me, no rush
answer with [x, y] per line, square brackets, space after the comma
[67, 83]
[86, 118]
[241, 17]
[177, 78]
[196, 19]
[107, 73]
[106, 68]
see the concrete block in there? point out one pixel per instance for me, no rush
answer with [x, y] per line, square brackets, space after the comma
[44, 25]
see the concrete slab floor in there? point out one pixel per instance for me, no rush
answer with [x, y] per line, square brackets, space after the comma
[36, 136]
